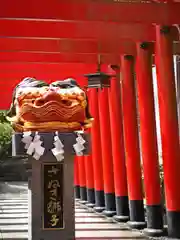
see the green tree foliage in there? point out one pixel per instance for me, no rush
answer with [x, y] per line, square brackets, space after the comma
[5, 134]
[3, 117]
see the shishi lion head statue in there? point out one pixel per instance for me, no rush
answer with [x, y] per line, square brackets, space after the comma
[59, 106]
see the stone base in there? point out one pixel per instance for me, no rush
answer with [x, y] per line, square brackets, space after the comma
[90, 205]
[109, 213]
[153, 232]
[137, 225]
[99, 209]
[121, 218]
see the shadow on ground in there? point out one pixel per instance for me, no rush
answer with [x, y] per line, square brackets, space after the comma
[13, 187]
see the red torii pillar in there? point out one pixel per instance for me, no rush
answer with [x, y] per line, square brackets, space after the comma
[169, 127]
[89, 169]
[131, 139]
[96, 152]
[76, 179]
[89, 179]
[82, 179]
[110, 206]
[149, 140]
[119, 166]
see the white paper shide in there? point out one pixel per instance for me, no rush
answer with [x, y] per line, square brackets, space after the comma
[58, 151]
[79, 146]
[33, 145]
[34, 148]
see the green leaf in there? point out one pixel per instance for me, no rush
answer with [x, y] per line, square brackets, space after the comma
[5, 136]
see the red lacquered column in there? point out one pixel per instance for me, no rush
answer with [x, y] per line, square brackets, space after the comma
[89, 181]
[149, 140]
[96, 152]
[89, 169]
[82, 179]
[131, 140]
[120, 178]
[169, 127]
[110, 206]
[76, 179]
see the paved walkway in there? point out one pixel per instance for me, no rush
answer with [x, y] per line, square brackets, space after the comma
[89, 225]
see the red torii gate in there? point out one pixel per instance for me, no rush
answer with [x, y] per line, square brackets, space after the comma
[53, 32]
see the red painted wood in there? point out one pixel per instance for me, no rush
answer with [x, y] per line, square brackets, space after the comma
[42, 73]
[106, 141]
[168, 119]
[11, 79]
[116, 124]
[89, 161]
[96, 141]
[67, 45]
[59, 68]
[76, 30]
[148, 126]
[5, 101]
[82, 171]
[76, 172]
[92, 11]
[131, 129]
[89, 172]
[44, 45]
[23, 57]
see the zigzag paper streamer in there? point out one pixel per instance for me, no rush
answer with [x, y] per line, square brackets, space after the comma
[33, 146]
[58, 151]
[79, 146]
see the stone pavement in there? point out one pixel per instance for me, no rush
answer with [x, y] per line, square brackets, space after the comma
[89, 225]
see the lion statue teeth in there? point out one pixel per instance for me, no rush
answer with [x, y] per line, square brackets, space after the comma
[59, 106]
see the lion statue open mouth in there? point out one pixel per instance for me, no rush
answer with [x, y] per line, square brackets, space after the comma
[59, 106]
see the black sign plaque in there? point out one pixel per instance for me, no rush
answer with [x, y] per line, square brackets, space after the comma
[53, 196]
